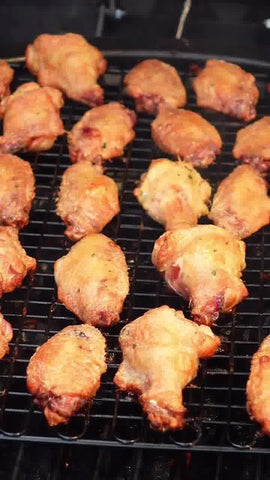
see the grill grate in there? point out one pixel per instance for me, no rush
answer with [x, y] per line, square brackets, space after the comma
[216, 418]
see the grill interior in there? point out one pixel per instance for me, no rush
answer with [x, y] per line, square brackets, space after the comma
[215, 401]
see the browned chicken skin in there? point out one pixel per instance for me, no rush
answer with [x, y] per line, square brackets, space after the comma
[152, 83]
[14, 262]
[203, 264]
[87, 200]
[17, 191]
[173, 193]
[92, 280]
[186, 134]
[253, 144]
[70, 63]
[6, 334]
[65, 372]
[258, 386]
[6, 77]
[161, 352]
[31, 118]
[241, 204]
[102, 133]
[227, 88]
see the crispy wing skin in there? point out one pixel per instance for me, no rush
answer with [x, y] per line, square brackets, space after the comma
[258, 386]
[92, 280]
[68, 62]
[186, 134]
[253, 144]
[173, 193]
[203, 264]
[14, 262]
[6, 334]
[161, 352]
[241, 204]
[31, 119]
[102, 133]
[152, 83]
[65, 372]
[17, 191]
[6, 77]
[227, 88]
[87, 200]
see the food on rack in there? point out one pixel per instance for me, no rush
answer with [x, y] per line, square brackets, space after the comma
[65, 372]
[152, 83]
[92, 280]
[17, 191]
[253, 144]
[70, 63]
[258, 386]
[173, 193]
[186, 134]
[203, 264]
[6, 334]
[31, 118]
[102, 133]
[87, 200]
[241, 204]
[14, 262]
[6, 77]
[161, 352]
[227, 88]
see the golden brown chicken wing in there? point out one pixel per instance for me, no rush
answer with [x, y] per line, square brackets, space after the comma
[253, 144]
[173, 193]
[102, 133]
[227, 88]
[92, 280]
[31, 118]
[65, 372]
[6, 77]
[258, 386]
[14, 262]
[161, 352]
[241, 204]
[186, 134]
[87, 200]
[17, 191]
[6, 334]
[152, 83]
[70, 63]
[203, 264]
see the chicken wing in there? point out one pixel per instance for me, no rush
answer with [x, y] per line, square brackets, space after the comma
[17, 191]
[258, 386]
[102, 133]
[186, 134]
[87, 200]
[227, 88]
[203, 264]
[65, 372]
[70, 63]
[14, 262]
[173, 193]
[92, 280]
[6, 77]
[241, 204]
[161, 352]
[6, 334]
[152, 83]
[31, 119]
[253, 144]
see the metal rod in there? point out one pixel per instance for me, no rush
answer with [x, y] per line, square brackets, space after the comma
[182, 20]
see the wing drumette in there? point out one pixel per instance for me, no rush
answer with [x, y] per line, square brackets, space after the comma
[6, 77]
[253, 144]
[6, 334]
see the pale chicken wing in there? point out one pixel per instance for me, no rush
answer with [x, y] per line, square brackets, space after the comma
[203, 264]
[87, 200]
[70, 63]
[31, 119]
[65, 372]
[241, 204]
[92, 280]
[6, 334]
[161, 352]
[186, 134]
[253, 144]
[6, 77]
[173, 193]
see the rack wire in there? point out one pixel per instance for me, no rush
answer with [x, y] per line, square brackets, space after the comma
[217, 420]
